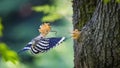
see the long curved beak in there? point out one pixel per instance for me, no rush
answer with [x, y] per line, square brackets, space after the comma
[54, 31]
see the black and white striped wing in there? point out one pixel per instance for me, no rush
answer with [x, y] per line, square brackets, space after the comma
[46, 44]
[40, 46]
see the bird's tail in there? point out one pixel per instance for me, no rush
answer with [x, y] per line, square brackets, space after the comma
[28, 47]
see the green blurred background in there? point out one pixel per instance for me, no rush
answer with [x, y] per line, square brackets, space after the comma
[19, 23]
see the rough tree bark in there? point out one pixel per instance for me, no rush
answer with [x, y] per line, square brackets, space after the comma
[99, 43]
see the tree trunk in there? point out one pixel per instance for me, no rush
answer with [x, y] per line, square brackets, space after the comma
[99, 42]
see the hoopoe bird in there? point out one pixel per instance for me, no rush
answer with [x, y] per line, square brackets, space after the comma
[41, 44]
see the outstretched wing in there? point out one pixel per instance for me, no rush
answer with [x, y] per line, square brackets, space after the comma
[42, 45]
[55, 41]
[46, 44]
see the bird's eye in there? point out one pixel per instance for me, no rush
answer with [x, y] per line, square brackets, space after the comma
[47, 30]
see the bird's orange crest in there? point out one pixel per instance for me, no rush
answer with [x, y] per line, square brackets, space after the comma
[44, 29]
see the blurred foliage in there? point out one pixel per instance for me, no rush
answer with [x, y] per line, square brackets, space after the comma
[7, 54]
[51, 15]
[8, 6]
[19, 30]
[118, 1]
[106, 1]
[1, 27]
[57, 10]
